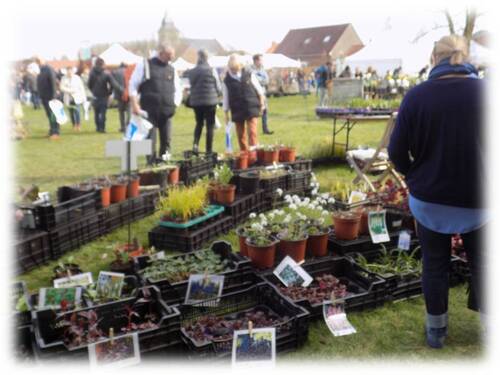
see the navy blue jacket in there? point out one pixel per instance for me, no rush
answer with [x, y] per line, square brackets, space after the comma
[437, 142]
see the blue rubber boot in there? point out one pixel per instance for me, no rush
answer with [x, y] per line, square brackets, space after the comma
[436, 330]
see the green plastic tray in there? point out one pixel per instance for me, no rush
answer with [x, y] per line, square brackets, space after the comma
[211, 211]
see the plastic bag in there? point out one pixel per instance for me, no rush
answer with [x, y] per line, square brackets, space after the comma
[218, 125]
[229, 146]
[57, 108]
[138, 128]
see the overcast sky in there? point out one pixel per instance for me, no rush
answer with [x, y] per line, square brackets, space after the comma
[54, 28]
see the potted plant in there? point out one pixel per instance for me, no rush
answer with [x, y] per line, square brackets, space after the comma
[133, 186]
[134, 249]
[224, 191]
[363, 224]
[270, 155]
[287, 154]
[317, 242]
[66, 269]
[293, 240]
[261, 246]
[118, 189]
[104, 184]
[123, 263]
[346, 224]
[173, 174]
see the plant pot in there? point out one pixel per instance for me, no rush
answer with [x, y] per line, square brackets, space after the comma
[287, 154]
[242, 161]
[106, 196]
[260, 155]
[249, 182]
[294, 249]
[262, 257]
[131, 249]
[173, 176]
[317, 245]
[74, 269]
[212, 191]
[225, 194]
[363, 224]
[133, 187]
[126, 268]
[270, 157]
[347, 225]
[118, 192]
[252, 157]
[243, 245]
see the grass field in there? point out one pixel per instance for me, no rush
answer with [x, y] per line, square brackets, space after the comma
[392, 331]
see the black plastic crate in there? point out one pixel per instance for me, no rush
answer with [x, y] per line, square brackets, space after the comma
[191, 170]
[23, 349]
[190, 239]
[365, 290]
[270, 185]
[75, 234]
[298, 181]
[361, 244]
[49, 336]
[299, 164]
[291, 334]
[51, 216]
[243, 205]
[129, 210]
[32, 249]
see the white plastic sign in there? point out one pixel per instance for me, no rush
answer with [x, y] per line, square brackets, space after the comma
[404, 240]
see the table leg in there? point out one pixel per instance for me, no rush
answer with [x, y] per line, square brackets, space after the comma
[334, 134]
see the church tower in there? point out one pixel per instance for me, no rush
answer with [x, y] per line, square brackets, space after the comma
[168, 32]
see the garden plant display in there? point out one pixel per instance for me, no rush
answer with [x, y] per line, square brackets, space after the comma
[320, 290]
[176, 269]
[224, 191]
[184, 203]
[341, 191]
[394, 263]
[392, 195]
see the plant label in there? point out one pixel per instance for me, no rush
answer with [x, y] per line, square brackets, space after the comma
[110, 284]
[255, 348]
[404, 240]
[117, 352]
[378, 226]
[204, 288]
[158, 255]
[356, 196]
[336, 319]
[290, 273]
[82, 279]
[54, 298]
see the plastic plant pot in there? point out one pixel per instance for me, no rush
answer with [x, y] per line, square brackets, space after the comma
[294, 249]
[242, 161]
[106, 196]
[260, 155]
[317, 245]
[225, 194]
[270, 157]
[131, 249]
[173, 176]
[252, 157]
[346, 225]
[363, 224]
[262, 257]
[133, 187]
[243, 245]
[287, 154]
[249, 182]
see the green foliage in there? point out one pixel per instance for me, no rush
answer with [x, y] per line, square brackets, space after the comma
[397, 262]
[223, 174]
[374, 103]
[184, 202]
[342, 190]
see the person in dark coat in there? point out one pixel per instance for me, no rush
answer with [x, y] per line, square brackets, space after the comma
[118, 75]
[101, 84]
[204, 96]
[47, 89]
[438, 145]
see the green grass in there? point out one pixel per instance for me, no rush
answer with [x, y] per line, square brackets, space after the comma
[391, 331]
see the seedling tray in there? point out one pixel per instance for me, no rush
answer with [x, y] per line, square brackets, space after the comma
[189, 239]
[52, 216]
[211, 211]
[290, 334]
[361, 244]
[364, 291]
[174, 293]
[49, 337]
[32, 250]
[130, 210]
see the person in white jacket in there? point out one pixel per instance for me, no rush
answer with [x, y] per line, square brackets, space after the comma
[74, 95]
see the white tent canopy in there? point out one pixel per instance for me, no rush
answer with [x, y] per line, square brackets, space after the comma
[117, 54]
[182, 65]
[270, 61]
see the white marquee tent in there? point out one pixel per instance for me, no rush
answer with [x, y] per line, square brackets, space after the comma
[182, 65]
[116, 54]
[270, 61]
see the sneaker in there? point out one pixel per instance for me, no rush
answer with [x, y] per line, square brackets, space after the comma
[54, 137]
[269, 132]
[435, 337]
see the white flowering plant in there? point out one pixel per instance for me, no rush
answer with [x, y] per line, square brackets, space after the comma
[223, 174]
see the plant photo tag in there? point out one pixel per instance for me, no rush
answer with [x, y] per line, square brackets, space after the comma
[290, 273]
[404, 240]
[110, 284]
[82, 279]
[158, 255]
[336, 319]
[378, 226]
[115, 353]
[356, 196]
[204, 287]
[254, 347]
[55, 298]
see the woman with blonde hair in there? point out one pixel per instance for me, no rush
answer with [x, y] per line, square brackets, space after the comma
[244, 97]
[437, 144]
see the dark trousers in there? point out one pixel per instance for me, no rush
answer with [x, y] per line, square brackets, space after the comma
[265, 129]
[163, 123]
[100, 108]
[54, 126]
[436, 251]
[204, 114]
[74, 112]
[123, 114]
[35, 99]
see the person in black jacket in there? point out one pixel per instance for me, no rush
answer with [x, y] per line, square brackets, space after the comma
[47, 89]
[118, 75]
[101, 84]
[204, 96]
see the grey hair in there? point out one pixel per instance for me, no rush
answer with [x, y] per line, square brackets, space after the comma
[202, 56]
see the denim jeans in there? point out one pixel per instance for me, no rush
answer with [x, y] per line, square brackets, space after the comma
[436, 251]
[54, 126]
[100, 108]
[74, 112]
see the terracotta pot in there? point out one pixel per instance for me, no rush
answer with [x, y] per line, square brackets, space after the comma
[363, 224]
[262, 257]
[260, 155]
[225, 194]
[243, 245]
[317, 245]
[118, 192]
[270, 157]
[294, 249]
[106, 196]
[242, 161]
[133, 187]
[173, 176]
[346, 225]
[287, 154]
[252, 157]
[212, 192]
[131, 250]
